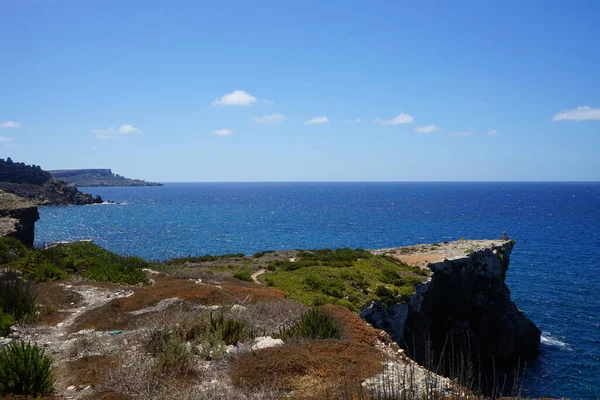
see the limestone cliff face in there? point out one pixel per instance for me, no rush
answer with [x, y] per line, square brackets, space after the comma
[17, 218]
[465, 304]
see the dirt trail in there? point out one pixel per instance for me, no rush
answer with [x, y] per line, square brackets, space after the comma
[255, 275]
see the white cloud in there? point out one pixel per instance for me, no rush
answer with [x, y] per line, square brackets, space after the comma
[222, 132]
[427, 129]
[94, 148]
[462, 134]
[104, 137]
[270, 119]
[4, 139]
[10, 124]
[397, 120]
[112, 132]
[582, 113]
[235, 98]
[129, 129]
[317, 120]
[492, 132]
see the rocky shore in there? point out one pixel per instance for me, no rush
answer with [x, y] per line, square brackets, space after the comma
[17, 218]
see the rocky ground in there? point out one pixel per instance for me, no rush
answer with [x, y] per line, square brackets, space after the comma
[97, 335]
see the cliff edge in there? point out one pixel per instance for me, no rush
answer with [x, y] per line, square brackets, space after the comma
[465, 305]
[17, 218]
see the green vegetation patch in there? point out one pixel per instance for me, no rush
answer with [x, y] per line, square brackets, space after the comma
[314, 324]
[93, 262]
[346, 277]
[204, 258]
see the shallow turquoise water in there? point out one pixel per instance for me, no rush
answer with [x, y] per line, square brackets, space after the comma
[554, 274]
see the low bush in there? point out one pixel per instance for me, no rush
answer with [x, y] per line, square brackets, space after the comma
[6, 321]
[229, 330]
[16, 299]
[128, 271]
[25, 370]
[314, 324]
[243, 276]
[205, 258]
[38, 268]
[11, 249]
[98, 264]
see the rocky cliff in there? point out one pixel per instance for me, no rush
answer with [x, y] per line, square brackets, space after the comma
[17, 218]
[464, 307]
[97, 177]
[39, 186]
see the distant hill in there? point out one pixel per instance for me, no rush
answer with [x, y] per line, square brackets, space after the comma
[33, 183]
[97, 177]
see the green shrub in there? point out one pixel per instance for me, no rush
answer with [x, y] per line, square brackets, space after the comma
[174, 355]
[25, 370]
[229, 330]
[387, 295]
[6, 321]
[205, 258]
[314, 324]
[16, 299]
[11, 249]
[243, 276]
[38, 268]
[128, 270]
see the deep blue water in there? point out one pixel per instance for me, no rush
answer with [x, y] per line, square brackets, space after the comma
[554, 274]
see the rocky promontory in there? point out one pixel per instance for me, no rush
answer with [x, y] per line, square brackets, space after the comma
[464, 306]
[17, 218]
[39, 186]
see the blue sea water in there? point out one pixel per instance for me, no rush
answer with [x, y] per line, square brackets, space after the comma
[554, 274]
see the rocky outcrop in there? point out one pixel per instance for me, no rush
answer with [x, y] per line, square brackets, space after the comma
[465, 306]
[17, 218]
[33, 183]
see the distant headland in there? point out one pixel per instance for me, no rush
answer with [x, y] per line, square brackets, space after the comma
[97, 178]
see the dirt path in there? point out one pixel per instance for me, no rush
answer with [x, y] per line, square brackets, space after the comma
[256, 274]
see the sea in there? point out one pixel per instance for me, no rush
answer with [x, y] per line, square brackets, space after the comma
[554, 274]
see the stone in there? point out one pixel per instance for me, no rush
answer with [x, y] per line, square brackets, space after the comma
[266, 342]
[71, 388]
[238, 308]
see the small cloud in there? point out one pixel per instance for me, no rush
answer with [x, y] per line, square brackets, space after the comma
[235, 98]
[493, 132]
[4, 139]
[462, 134]
[357, 120]
[427, 129]
[113, 131]
[317, 121]
[129, 129]
[583, 113]
[482, 103]
[104, 137]
[397, 120]
[270, 119]
[222, 132]
[94, 148]
[10, 124]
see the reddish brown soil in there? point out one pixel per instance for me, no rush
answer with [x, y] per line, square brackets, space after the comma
[86, 370]
[58, 296]
[115, 314]
[354, 328]
[309, 369]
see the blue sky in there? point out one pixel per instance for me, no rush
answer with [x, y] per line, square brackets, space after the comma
[227, 91]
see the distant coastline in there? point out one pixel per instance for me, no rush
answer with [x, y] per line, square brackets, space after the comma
[97, 178]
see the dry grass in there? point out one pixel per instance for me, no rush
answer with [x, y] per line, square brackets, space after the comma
[116, 313]
[353, 327]
[308, 369]
[87, 370]
[268, 318]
